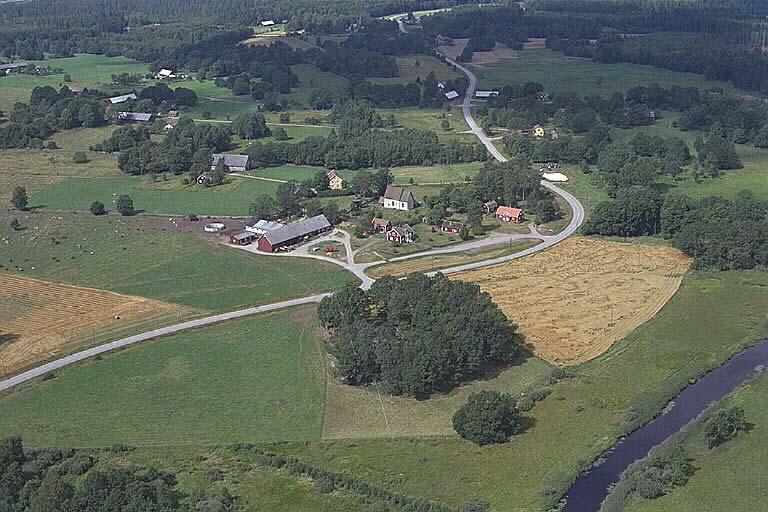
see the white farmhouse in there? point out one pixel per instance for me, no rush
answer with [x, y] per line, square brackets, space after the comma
[396, 198]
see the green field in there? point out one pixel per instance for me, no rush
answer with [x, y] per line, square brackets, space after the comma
[727, 477]
[258, 379]
[86, 70]
[411, 67]
[171, 197]
[430, 119]
[560, 73]
[582, 417]
[123, 255]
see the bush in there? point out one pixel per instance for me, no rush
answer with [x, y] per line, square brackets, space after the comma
[79, 157]
[97, 208]
[487, 417]
[124, 205]
[724, 425]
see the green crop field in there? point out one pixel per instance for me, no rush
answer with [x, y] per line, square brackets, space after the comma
[560, 73]
[726, 476]
[257, 379]
[122, 255]
[86, 70]
[582, 417]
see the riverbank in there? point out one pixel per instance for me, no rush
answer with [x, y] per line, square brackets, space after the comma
[590, 489]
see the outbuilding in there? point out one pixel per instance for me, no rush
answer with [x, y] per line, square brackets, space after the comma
[262, 227]
[122, 98]
[451, 95]
[380, 225]
[134, 117]
[490, 207]
[451, 226]
[244, 238]
[234, 163]
[294, 233]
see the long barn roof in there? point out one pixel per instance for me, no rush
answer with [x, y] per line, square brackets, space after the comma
[297, 229]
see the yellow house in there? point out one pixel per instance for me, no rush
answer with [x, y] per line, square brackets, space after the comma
[538, 131]
[335, 182]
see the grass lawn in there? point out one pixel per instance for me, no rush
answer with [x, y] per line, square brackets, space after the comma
[311, 78]
[257, 379]
[582, 187]
[728, 477]
[86, 70]
[560, 73]
[219, 101]
[171, 197]
[121, 255]
[582, 417]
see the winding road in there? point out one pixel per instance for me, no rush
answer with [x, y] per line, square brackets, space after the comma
[577, 217]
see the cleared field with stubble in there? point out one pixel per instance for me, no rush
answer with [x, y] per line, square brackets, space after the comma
[577, 299]
[40, 320]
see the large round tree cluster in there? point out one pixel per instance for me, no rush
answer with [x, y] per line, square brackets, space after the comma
[416, 336]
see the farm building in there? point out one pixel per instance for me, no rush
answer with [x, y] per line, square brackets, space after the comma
[451, 95]
[509, 214]
[234, 163]
[134, 117]
[122, 99]
[490, 207]
[262, 227]
[7, 69]
[165, 74]
[244, 238]
[486, 94]
[214, 227]
[267, 23]
[335, 182]
[397, 198]
[380, 225]
[401, 234]
[77, 91]
[451, 226]
[294, 233]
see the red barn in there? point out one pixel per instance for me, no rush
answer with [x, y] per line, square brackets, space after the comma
[451, 226]
[509, 214]
[294, 233]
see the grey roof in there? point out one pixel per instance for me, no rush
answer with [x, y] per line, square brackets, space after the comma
[266, 225]
[124, 97]
[245, 235]
[403, 230]
[134, 116]
[452, 223]
[231, 160]
[13, 65]
[398, 194]
[298, 229]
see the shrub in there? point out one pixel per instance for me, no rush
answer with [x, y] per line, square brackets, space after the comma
[124, 205]
[79, 157]
[724, 425]
[97, 208]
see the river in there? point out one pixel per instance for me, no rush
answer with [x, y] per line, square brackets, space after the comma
[591, 488]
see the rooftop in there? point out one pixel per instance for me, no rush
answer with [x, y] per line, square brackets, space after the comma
[298, 229]
[231, 160]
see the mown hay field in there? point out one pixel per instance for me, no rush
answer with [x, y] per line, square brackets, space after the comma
[577, 299]
[40, 319]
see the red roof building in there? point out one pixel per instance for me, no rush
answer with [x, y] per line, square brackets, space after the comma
[509, 214]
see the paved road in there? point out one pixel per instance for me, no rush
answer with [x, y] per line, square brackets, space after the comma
[171, 329]
[356, 268]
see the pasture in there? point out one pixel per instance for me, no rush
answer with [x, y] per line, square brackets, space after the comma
[411, 67]
[560, 73]
[119, 254]
[256, 379]
[40, 320]
[604, 291]
[165, 197]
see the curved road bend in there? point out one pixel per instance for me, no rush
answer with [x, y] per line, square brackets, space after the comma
[547, 241]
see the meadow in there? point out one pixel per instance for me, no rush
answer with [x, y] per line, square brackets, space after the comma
[560, 73]
[257, 379]
[411, 67]
[582, 417]
[122, 255]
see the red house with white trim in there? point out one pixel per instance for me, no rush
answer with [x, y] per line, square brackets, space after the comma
[509, 214]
